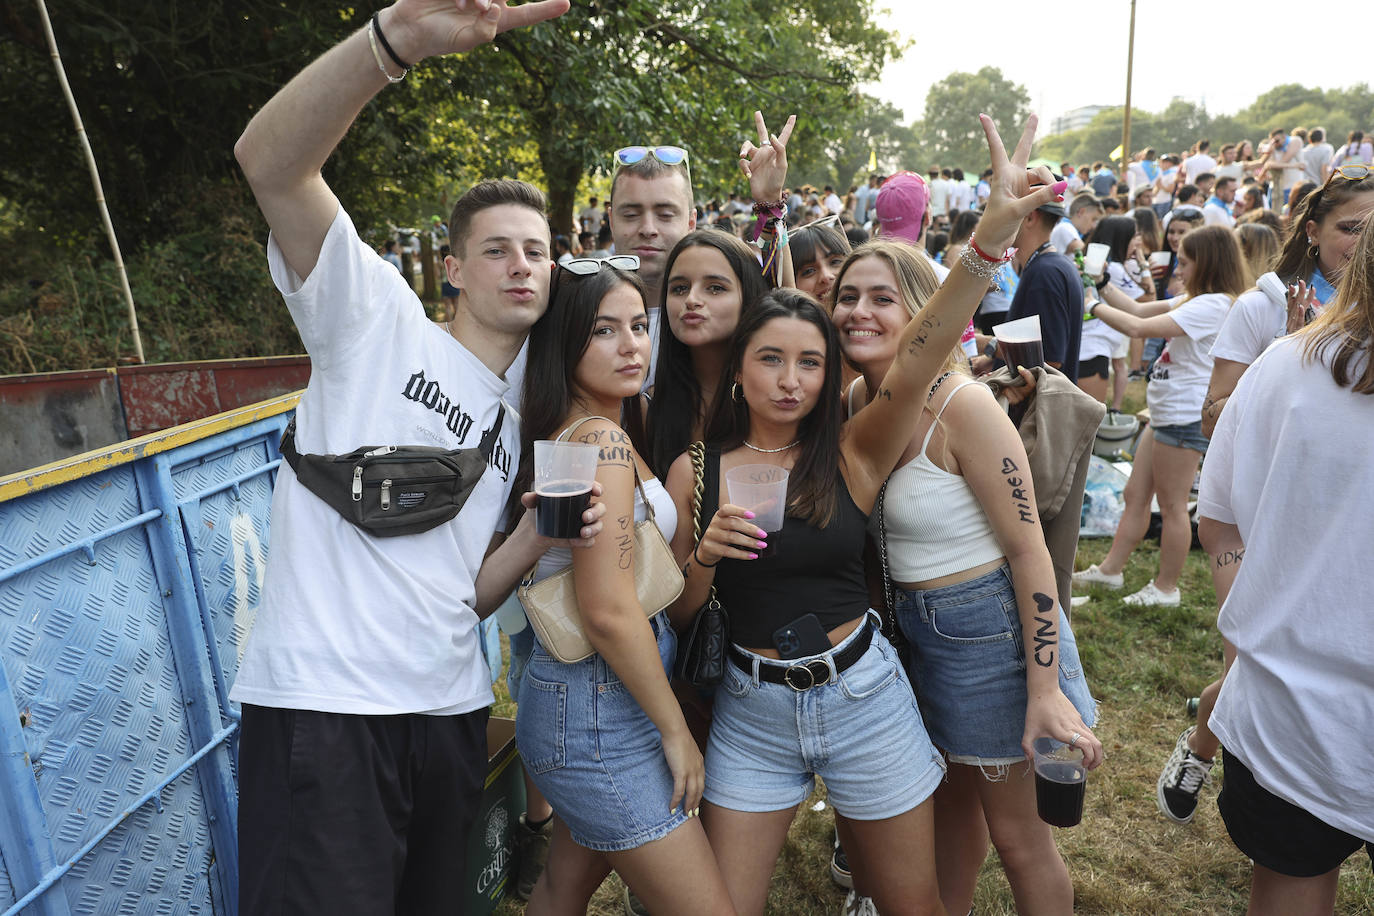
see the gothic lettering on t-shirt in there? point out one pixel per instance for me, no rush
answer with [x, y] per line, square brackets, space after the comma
[428, 394]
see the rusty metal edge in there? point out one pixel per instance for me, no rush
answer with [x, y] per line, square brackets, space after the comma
[87, 463]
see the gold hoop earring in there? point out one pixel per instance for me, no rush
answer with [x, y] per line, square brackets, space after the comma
[734, 391]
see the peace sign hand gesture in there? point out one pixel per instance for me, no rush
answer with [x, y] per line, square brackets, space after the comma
[1016, 190]
[765, 165]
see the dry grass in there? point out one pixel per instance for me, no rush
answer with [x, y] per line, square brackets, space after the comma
[1125, 858]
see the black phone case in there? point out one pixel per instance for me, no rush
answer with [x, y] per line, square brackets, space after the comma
[800, 638]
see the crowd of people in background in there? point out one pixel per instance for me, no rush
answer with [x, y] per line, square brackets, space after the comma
[904, 631]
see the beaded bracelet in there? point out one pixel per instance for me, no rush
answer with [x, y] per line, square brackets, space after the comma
[978, 264]
[987, 257]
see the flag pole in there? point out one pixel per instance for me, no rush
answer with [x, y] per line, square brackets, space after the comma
[1126, 123]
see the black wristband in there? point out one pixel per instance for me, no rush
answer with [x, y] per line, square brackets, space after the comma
[1103, 282]
[698, 559]
[386, 45]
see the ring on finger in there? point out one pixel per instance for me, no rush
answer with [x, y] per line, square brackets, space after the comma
[1073, 742]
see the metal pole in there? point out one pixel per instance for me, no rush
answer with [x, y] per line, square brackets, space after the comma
[95, 178]
[1126, 124]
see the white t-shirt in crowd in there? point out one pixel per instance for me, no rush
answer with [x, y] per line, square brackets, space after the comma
[1135, 175]
[1253, 323]
[1215, 214]
[1198, 164]
[1179, 378]
[1099, 338]
[1063, 235]
[1230, 170]
[939, 197]
[1315, 158]
[833, 204]
[590, 218]
[350, 623]
[1289, 466]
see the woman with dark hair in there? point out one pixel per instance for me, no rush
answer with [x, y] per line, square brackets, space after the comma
[1321, 247]
[823, 693]
[624, 782]
[1166, 460]
[710, 280]
[1103, 348]
[965, 221]
[965, 562]
[818, 250]
[1289, 469]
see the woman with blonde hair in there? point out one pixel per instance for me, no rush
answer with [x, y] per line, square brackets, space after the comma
[1260, 246]
[1166, 460]
[972, 585]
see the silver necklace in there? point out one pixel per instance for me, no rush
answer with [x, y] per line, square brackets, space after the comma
[770, 451]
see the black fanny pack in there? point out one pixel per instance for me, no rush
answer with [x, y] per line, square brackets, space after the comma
[391, 490]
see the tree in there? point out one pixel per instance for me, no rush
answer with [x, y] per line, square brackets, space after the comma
[949, 133]
[868, 126]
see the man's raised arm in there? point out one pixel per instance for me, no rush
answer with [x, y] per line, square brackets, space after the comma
[286, 144]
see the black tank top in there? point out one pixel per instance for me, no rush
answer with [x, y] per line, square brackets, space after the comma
[812, 571]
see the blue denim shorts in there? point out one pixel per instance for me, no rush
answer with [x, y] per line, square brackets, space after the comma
[593, 752]
[968, 666]
[521, 647]
[861, 733]
[1184, 435]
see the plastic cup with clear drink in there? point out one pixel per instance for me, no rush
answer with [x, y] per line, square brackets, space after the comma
[762, 489]
[1095, 259]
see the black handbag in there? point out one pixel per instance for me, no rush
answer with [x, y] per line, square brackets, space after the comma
[891, 629]
[391, 490]
[701, 650]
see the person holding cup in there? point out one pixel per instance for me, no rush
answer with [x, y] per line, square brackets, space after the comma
[604, 738]
[1166, 460]
[811, 686]
[969, 562]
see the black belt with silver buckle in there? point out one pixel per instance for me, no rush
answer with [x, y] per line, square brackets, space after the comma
[813, 673]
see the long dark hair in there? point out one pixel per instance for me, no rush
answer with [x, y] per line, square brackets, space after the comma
[557, 342]
[677, 398]
[1297, 260]
[814, 480]
[1116, 233]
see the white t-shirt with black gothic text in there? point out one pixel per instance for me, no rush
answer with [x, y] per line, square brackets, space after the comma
[351, 623]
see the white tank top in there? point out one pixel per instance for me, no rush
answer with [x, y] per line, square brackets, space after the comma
[935, 525]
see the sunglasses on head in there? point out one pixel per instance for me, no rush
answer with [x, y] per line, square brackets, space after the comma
[586, 267]
[668, 155]
[832, 219]
[1350, 173]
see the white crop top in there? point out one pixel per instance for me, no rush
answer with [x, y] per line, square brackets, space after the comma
[935, 525]
[665, 514]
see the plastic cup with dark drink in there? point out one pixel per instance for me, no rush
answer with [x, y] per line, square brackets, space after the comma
[1020, 342]
[563, 476]
[1061, 781]
[762, 489]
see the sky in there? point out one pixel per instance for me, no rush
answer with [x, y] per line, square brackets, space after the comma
[1086, 64]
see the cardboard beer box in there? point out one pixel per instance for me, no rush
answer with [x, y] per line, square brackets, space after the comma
[491, 847]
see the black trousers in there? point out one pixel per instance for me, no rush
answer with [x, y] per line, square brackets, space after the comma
[366, 815]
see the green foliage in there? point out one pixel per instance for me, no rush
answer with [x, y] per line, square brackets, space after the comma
[949, 134]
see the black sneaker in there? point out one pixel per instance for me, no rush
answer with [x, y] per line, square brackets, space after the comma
[1182, 780]
[839, 866]
[531, 854]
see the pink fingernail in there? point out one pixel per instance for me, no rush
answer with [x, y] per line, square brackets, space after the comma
[761, 534]
[753, 556]
[760, 543]
[1059, 186]
[748, 514]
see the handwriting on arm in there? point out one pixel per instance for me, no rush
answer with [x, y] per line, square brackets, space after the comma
[1230, 557]
[1046, 636]
[625, 541]
[1018, 492]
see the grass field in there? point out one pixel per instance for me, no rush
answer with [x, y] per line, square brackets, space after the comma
[1143, 665]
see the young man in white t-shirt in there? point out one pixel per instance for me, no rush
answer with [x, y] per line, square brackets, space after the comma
[1199, 163]
[364, 693]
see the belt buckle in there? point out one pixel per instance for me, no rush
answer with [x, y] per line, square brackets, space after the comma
[813, 679]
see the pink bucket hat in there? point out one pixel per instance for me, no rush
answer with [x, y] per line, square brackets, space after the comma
[901, 205]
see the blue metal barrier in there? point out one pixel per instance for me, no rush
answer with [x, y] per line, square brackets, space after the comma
[129, 580]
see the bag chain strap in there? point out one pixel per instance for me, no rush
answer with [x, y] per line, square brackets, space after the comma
[698, 452]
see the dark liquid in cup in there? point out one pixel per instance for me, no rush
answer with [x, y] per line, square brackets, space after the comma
[558, 512]
[1028, 353]
[771, 549]
[1060, 804]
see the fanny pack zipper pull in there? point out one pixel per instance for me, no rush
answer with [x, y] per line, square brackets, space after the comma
[386, 494]
[384, 450]
[358, 483]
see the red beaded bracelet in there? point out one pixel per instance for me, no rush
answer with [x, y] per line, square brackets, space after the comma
[985, 256]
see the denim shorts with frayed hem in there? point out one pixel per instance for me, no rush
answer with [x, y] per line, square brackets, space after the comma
[1184, 435]
[594, 753]
[861, 733]
[968, 666]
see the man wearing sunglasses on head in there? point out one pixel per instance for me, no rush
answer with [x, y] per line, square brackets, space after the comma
[362, 750]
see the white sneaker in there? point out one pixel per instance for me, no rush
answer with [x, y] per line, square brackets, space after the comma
[1079, 600]
[1094, 576]
[1149, 596]
[855, 905]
